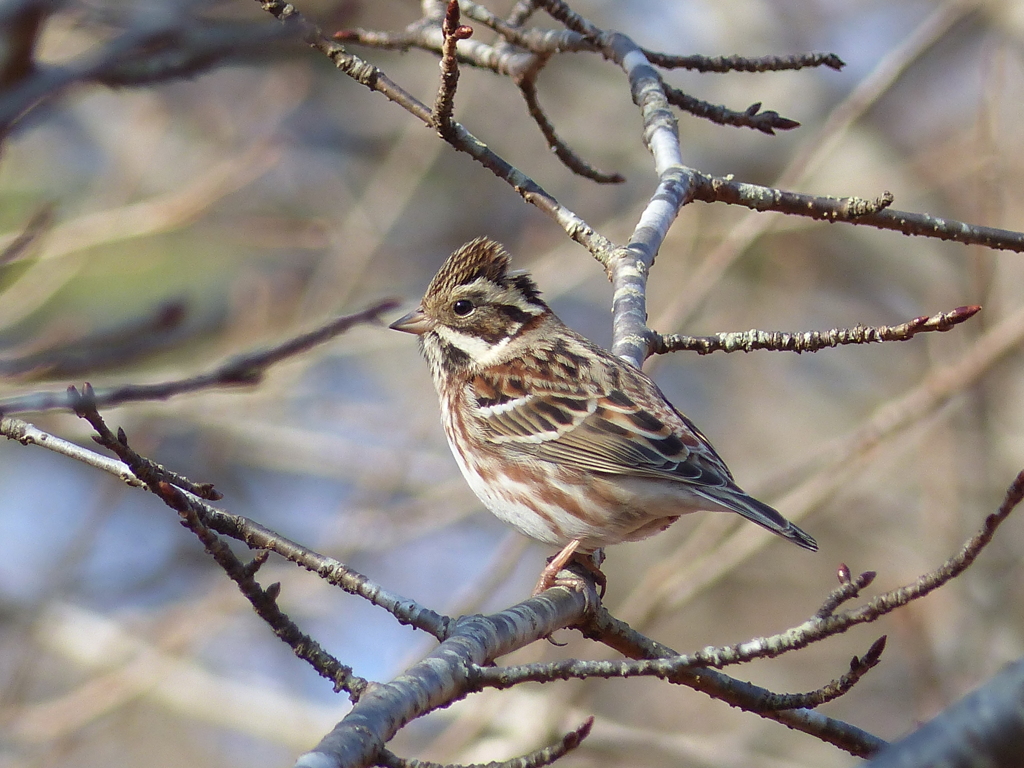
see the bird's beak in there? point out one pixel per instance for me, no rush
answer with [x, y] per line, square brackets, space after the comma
[415, 322]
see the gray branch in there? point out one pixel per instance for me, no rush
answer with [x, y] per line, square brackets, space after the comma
[983, 730]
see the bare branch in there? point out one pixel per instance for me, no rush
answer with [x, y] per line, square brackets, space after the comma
[847, 590]
[859, 666]
[460, 138]
[662, 661]
[680, 669]
[535, 759]
[425, 34]
[508, 29]
[826, 624]
[243, 370]
[444, 675]
[811, 341]
[765, 122]
[605, 628]
[413, 36]
[983, 730]
[560, 11]
[264, 601]
[572, 161]
[521, 12]
[28, 434]
[744, 64]
[249, 532]
[453, 31]
[710, 189]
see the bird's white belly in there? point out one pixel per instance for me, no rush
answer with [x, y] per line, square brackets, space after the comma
[503, 501]
[545, 502]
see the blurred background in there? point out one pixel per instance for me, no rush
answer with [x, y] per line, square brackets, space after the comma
[195, 219]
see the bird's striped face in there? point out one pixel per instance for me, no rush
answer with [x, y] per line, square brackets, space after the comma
[474, 311]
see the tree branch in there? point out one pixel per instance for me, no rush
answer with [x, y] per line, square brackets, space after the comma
[255, 536]
[712, 189]
[983, 730]
[605, 628]
[743, 63]
[536, 759]
[443, 676]
[242, 370]
[572, 161]
[811, 341]
[461, 139]
[765, 122]
[444, 104]
[264, 601]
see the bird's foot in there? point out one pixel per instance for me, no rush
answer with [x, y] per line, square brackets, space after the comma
[555, 574]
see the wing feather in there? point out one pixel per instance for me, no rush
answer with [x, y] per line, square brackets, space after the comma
[606, 431]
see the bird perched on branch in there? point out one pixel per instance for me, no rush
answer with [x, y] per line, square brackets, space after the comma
[557, 437]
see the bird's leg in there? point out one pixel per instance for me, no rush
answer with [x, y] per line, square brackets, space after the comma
[549, 576]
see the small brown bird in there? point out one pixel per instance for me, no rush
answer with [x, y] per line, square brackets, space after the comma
[557, 437]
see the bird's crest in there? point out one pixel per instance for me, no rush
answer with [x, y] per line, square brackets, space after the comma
[480, 258]
[486, 259]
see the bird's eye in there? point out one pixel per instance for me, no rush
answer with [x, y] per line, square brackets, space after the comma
[462, 307]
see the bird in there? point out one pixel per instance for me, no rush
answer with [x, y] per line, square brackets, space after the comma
[559, 438]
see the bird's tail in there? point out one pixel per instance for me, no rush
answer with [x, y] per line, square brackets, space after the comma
[734, 499]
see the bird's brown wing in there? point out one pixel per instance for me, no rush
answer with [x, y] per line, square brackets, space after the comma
[604, 430]
[635, 435]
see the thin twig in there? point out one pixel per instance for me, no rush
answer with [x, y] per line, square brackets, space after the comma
[766, 122]
[444, 103]
[678, 669]
[616, 634]
[560, 11]
[875, 213]
[859, 666]
[536, 759]
[242, 370]
[509, 31]
[572, 161]
[826, 623]
[847, 590]
[521, 12]
[743, 63]
[410, 37]
[460, 138]
[264, 601]
[811, 341]
[251, 533]
[29, 434]
[513, 60]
